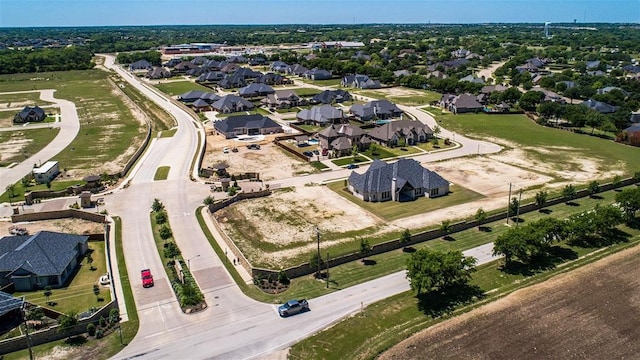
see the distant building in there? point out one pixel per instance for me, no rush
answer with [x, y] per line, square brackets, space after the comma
[254, 124]
[46, 172]
[30, 114]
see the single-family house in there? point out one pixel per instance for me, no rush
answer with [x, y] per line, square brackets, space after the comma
[283, 99]
[196, 72]
[211, 77]
[193, 95]
[592, 64]
[254, 124]
[248, 73]
[272, 79]
[231, 104]
[46, 172]
[297, 70]
[158, 73]
[462, 103]
[317, 74]
[403, 180]
[172, 62]
[472, 79]
[360, 81]
[232, 81]
[608, 89]
[331, 96]
[599, 106]
[140, 65]
[237, 59]
[279, 66]
[403, 72]
[30, 114]
[214, 65]
[184, 66]
[341, 138]
[229, 68]
[199, 60]
[257, 61]
[378, 109]
[393, 133]
[10, 305]
[46, 258]
[255, 89]
[321, 115]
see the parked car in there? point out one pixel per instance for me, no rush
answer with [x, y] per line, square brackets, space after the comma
[253, 146]
[105, 279]
[352, 166]
[325, 152]
[293, 307]
[307, 153]
[316, 152]
[234, 149]
[147, 278]
[225, 150]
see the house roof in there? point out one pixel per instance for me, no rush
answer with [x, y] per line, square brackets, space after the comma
[9, 303]
[328, 96]
[43, 253]
[466, 101]
[140, 65]
[377, 107]
[256, 89]
[599, 106]
[200, 103]
[36, 110]
[245, 121]
[321, 114]
[341, 144]
[473, 79]
[491, 88]
[341, 129]
[401, 127]
[231, 101]
[378, 177]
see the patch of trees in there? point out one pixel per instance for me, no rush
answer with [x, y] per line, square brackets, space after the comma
[430, 270]
[41, 60]
[152, 57]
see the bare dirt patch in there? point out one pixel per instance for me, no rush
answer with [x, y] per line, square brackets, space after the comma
[270, 161]
[587, 313]
[69, 225]
[12, 148]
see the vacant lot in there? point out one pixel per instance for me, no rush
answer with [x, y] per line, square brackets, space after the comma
[177, 87]
[12, 101]
[16, 146]
[586, 313]
[402, 95]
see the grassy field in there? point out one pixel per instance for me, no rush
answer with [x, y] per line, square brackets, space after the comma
[56, 185]
[78, 294]
[415, 97]
[162, 173]
[22, 100]
[349, 160]
[393, 210]
[306, 92]
[107, 127]
[160, 119]
[180, 87]
[29, 141]
[330, 82]
[168, 133]
[519, 129]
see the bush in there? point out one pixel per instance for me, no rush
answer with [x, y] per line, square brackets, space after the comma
[99, 334]
[114, 316]
[102, 322]
[91, 329]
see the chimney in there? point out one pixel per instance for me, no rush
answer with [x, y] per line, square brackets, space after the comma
[394, 184]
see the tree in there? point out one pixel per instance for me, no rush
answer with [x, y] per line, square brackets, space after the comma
[617, 180]
[445, 226]
[593, 188]
[405, 237]
[541, 198]
[595, 120]
[430, 270]
[35, 314]
[161, 217]
[436, 131]
[208, 200]
[157, 205]
[481, 216]
[47, 292]
[11, 190]
[629, 202]
[569, 192]
[48, 183]
[514, 205]
[365, 248]
[68, 321]
[313, 262]
[165, 232]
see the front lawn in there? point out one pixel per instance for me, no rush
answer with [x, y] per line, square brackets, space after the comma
[349, 160]
[19, 190]
[180, 87]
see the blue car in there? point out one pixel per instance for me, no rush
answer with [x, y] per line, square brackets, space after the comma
[293, 307]
[352, 166]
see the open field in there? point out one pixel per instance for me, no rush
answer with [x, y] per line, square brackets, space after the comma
[174, 88]
[8, 101]
[160, 119]
[16, 146]
[581, 314]
[330, 82]
[561, 154]
[402, 95]
[109, 132]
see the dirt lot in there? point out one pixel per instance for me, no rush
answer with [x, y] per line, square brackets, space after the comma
[270, 161]
[72, 226]
[589, 313]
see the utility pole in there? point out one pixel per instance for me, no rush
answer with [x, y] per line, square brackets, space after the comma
[508, 203]
[518, 211]
[319, 257]
[327, 269]
[26, 328]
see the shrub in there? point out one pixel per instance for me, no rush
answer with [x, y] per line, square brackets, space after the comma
[114, 316]
[91, 329]
[99, 334]
[102, 322]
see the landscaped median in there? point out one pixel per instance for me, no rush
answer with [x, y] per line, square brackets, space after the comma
[184, 286]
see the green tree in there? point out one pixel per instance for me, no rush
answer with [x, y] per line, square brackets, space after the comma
[165, 232]
[208, 200]
[593, 188]
[541, 198]
[47, 292]
[629, 201]
[405, 237]
[36, 314]
[365, 248]
[480, 216]
[514, 205]
[48, 184]
[313, 261]
[161, 217]
[67, 321]
[445, 226]
[595, 120]
[157, 205]
[171, 250]
[430, 270]
[569, 192]
[11, 190]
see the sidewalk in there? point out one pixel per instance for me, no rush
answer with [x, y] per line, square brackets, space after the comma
[246, 277]
[114, 272]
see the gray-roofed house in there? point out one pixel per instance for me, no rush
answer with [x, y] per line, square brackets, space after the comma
[608, 89]
[232, 103]
[247, 73]
[279, 66]
[297, 70]
[30, 114]
[193, 95]
[10, 305]
[341, 138]
[255, 89]
[272, 79]
[283, 99]
[462, 103]
[232, 81]
[472, 79]
[258, 60]
[46, 258]
[378, 109]
[211, 77]
[140, 65]
[321, 115]
[331, 96]
[403, 180]
[360, 81]
[599, 106]
[158, 73]
[254, 124]
[410, 131]
[317, 74]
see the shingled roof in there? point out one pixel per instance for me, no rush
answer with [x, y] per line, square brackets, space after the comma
[245, 121]
[320, 114]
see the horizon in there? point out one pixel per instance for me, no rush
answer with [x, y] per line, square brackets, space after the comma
[87, 13]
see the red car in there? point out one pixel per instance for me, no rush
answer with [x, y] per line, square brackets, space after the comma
[147, 278]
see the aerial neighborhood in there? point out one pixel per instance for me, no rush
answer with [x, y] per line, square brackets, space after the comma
[252, 191]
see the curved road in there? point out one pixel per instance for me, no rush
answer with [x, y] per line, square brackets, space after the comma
[234, 326]
[69, 127]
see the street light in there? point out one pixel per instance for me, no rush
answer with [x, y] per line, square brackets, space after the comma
[189, 261]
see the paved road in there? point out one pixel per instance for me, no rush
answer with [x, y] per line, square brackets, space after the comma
[234, 326]
[69, 127]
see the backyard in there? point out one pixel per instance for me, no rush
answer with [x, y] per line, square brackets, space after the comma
[174, 88]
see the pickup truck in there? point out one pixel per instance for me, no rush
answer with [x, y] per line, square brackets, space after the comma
[147, 278]
[293, 307]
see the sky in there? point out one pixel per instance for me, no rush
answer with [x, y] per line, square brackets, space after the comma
[30, 13]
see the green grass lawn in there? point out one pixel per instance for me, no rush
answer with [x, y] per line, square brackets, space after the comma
[162, 173]
[519, 129]
[78, 294]
[168, 133]
[180, 87]
[383, 152]
[22, 100]
[107, 127]
[311, 128]
[306, 92]
[56, 185]
[160, 119]
[428, 146]
[349, 160]
[28, 141]
[330, 82]
[393, 210]
[318, 165]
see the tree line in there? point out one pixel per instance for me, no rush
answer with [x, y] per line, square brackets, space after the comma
[41, 60]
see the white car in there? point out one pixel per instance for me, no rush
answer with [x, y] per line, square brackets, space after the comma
[225, 150]
[105, 279]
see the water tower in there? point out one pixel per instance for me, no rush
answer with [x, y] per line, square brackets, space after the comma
[546, 30]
